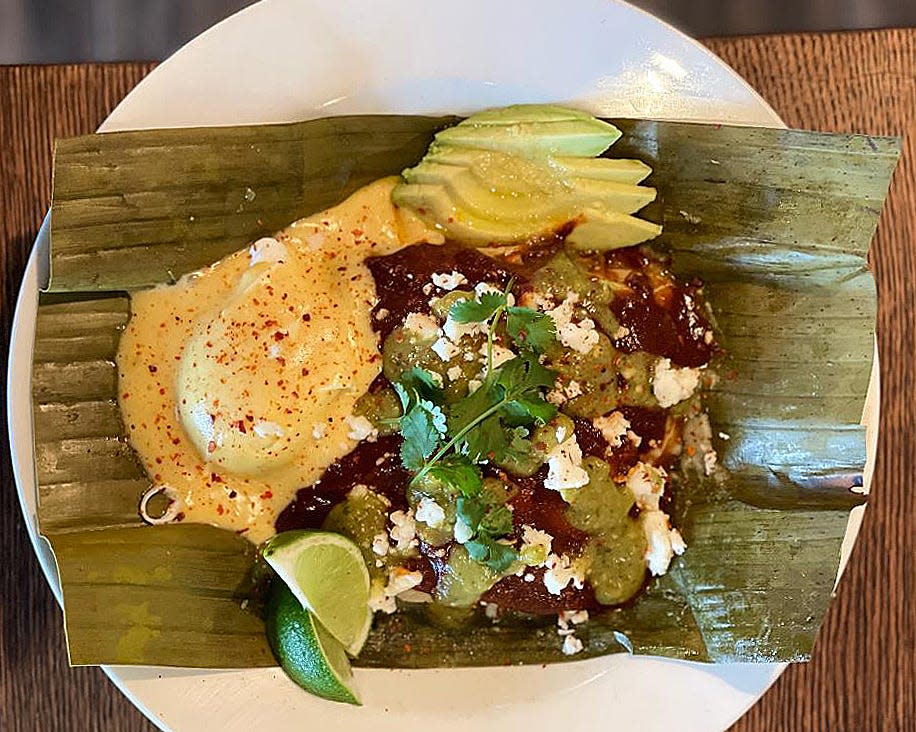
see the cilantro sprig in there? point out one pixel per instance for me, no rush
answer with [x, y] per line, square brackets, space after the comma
[447, 441]
[528, 328]
[479, 426]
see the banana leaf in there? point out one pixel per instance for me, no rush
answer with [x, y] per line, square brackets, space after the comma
[777, 223]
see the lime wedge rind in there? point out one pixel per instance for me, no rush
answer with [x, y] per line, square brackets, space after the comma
[307, 652]
[335, 588]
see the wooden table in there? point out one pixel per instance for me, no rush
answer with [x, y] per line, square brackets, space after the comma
[863, 674]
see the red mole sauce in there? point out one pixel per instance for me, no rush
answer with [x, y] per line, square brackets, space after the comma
[662, 318]
[401, 277]
[375, 464]
[545, 509]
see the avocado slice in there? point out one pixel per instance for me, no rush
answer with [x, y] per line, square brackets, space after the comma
[517, 113]
[531, 197]
[507, 175]
[616, 169]
[434, 203]
[601, 230]
[563, 137]
[565, 167]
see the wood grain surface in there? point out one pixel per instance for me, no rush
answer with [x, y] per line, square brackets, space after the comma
[863, 674]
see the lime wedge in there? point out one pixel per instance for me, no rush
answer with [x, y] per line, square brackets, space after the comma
[328, 576]
[309, 655]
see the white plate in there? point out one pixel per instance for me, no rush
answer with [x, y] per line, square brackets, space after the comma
[286, 60]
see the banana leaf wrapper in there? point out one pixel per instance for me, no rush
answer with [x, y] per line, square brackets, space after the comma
[777, 223]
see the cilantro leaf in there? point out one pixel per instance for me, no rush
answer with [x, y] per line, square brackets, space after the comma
[520, 458]
[457, 472]
[423, 382]
[487, 440]
[478, 550]
[530, 329]
[478, 310]
[421, 437]
[525, 410]
[465, 411]
[496, 556]
[436, 415]
[404, 396]
[471, 511]
[487, 524]
[523, 376]
[500, 556]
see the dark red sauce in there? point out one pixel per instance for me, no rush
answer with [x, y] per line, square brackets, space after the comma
[645, 422]
[669, 322]
[400, 278]
[516, 593]
[648, 423]
[376, 464]
[545, 509]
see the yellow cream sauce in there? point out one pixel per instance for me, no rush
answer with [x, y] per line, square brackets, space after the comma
[236, 382]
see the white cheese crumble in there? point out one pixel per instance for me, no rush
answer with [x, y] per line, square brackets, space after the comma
[671, 384]
[647, 484]
[573, 389]
[571, 617]
[560, 572]
[448, 281]
[581, 336]
[501, 354]
[462, 531]
[474, 385]
[621, 332]
[360, 428]
[564, 464]
[709, 461]
[613, 427]
[424, 326]
[445, 349]
[564, 392]
[571, 645]
[491, 610]
[430, 513]
[404, 531]
[380, 544]
[664, 542]
[382, 597]
[455, 331]
[360, 490]
[382, 313]
[556, 397]
[454, 373]
[536, 546]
